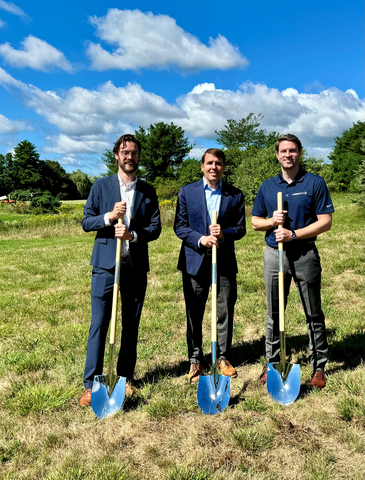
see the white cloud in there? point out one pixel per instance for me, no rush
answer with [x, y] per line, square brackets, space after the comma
[108, 110]
[197, 152]
[66, 145]
[36, 54]
[90, 120]
[319, 151]
[71, 161]
[159, 44]
[14, 9]
[316, 118]
[2, 23]
[10, 126]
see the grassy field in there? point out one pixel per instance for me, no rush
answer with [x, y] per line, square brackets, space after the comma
[161, 433]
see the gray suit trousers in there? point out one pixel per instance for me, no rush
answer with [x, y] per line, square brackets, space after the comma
[304, 267]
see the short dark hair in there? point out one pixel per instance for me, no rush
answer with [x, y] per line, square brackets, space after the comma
[126, 138]
[217, 153]
[289, 138]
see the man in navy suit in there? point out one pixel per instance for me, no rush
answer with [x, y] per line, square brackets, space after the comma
[193, 225]
[121, 194]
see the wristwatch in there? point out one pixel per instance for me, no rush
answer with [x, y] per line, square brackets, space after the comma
[293, 235]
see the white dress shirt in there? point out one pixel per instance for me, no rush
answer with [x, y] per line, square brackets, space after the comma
[127, 195]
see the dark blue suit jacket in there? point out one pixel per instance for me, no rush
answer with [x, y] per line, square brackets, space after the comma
[191, 222]
[145, 221]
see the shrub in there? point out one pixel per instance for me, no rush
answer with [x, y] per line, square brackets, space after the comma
[45, 204]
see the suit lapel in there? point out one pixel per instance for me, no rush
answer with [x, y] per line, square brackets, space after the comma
[137, 199]
[200, 201]
[115, 187]
[224, 201]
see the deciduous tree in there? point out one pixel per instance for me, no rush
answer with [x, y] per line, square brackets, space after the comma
[82, 182]
[347, 155]
[245, 133]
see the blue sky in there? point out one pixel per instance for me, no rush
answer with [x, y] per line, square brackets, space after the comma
[75, 75]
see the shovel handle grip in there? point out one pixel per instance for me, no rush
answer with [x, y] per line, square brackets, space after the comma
[281, 272]
[214, 284]
[113, 320]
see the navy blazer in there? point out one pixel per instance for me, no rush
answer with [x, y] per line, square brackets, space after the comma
[191, 222]
[145, 221]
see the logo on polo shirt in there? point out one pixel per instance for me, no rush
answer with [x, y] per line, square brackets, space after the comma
[299, 193]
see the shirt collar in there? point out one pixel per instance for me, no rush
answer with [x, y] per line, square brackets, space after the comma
[210, 188]
[130, 185]
[298, 178]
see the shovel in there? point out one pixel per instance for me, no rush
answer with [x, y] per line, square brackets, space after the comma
[283, 378]
[108, 391]
[214, 390]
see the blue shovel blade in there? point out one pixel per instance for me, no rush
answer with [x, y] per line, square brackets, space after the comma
[213, 396]
[104, 404]
[282, 392]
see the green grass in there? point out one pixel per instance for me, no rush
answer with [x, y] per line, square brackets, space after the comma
[161, 433]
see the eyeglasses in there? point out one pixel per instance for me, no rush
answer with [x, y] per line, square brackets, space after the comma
[125, 153]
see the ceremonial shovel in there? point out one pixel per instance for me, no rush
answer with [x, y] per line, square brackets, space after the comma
[214, 390]
[108, 391]
[283, 378]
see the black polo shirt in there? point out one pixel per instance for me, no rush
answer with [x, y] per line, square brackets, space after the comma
[305, 198]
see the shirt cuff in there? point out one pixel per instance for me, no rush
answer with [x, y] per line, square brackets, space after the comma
[199, 244]
[135, 237]
[106, 220]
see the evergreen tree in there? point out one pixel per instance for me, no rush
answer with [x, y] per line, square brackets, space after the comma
[163, 149]
[27, 168]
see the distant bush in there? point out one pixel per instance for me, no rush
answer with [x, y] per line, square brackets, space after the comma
[44, 204]
[25, 195]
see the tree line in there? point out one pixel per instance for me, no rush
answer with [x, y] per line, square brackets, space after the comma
[165, 163]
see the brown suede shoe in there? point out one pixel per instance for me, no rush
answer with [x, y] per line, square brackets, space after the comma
[263, 377]
[318, 379]
[195, 371]
[85, 399]
[226, 368]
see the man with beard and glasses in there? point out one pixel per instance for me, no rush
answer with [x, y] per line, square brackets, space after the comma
[121, 194]
[307, 212]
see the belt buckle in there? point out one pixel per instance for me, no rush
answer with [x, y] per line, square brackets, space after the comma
[124, 259]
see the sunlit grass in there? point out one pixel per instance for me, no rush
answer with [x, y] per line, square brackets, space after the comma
[161, 433]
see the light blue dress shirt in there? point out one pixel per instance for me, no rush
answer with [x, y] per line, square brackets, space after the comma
[212, 198]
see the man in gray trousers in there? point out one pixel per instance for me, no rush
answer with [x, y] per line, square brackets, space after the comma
[307, 212]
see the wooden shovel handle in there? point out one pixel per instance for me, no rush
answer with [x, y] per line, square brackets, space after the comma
[113, 321]
[281, 272]
[214, 284]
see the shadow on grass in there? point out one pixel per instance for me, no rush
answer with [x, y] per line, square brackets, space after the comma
[349, 352]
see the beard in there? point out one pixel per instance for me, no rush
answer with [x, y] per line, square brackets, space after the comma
[127, 169]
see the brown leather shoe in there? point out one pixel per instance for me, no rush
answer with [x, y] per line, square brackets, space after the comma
[195, 371]
[263, 377]
[318, 379]
[85, 399]
[130, 390]
[226, 368]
